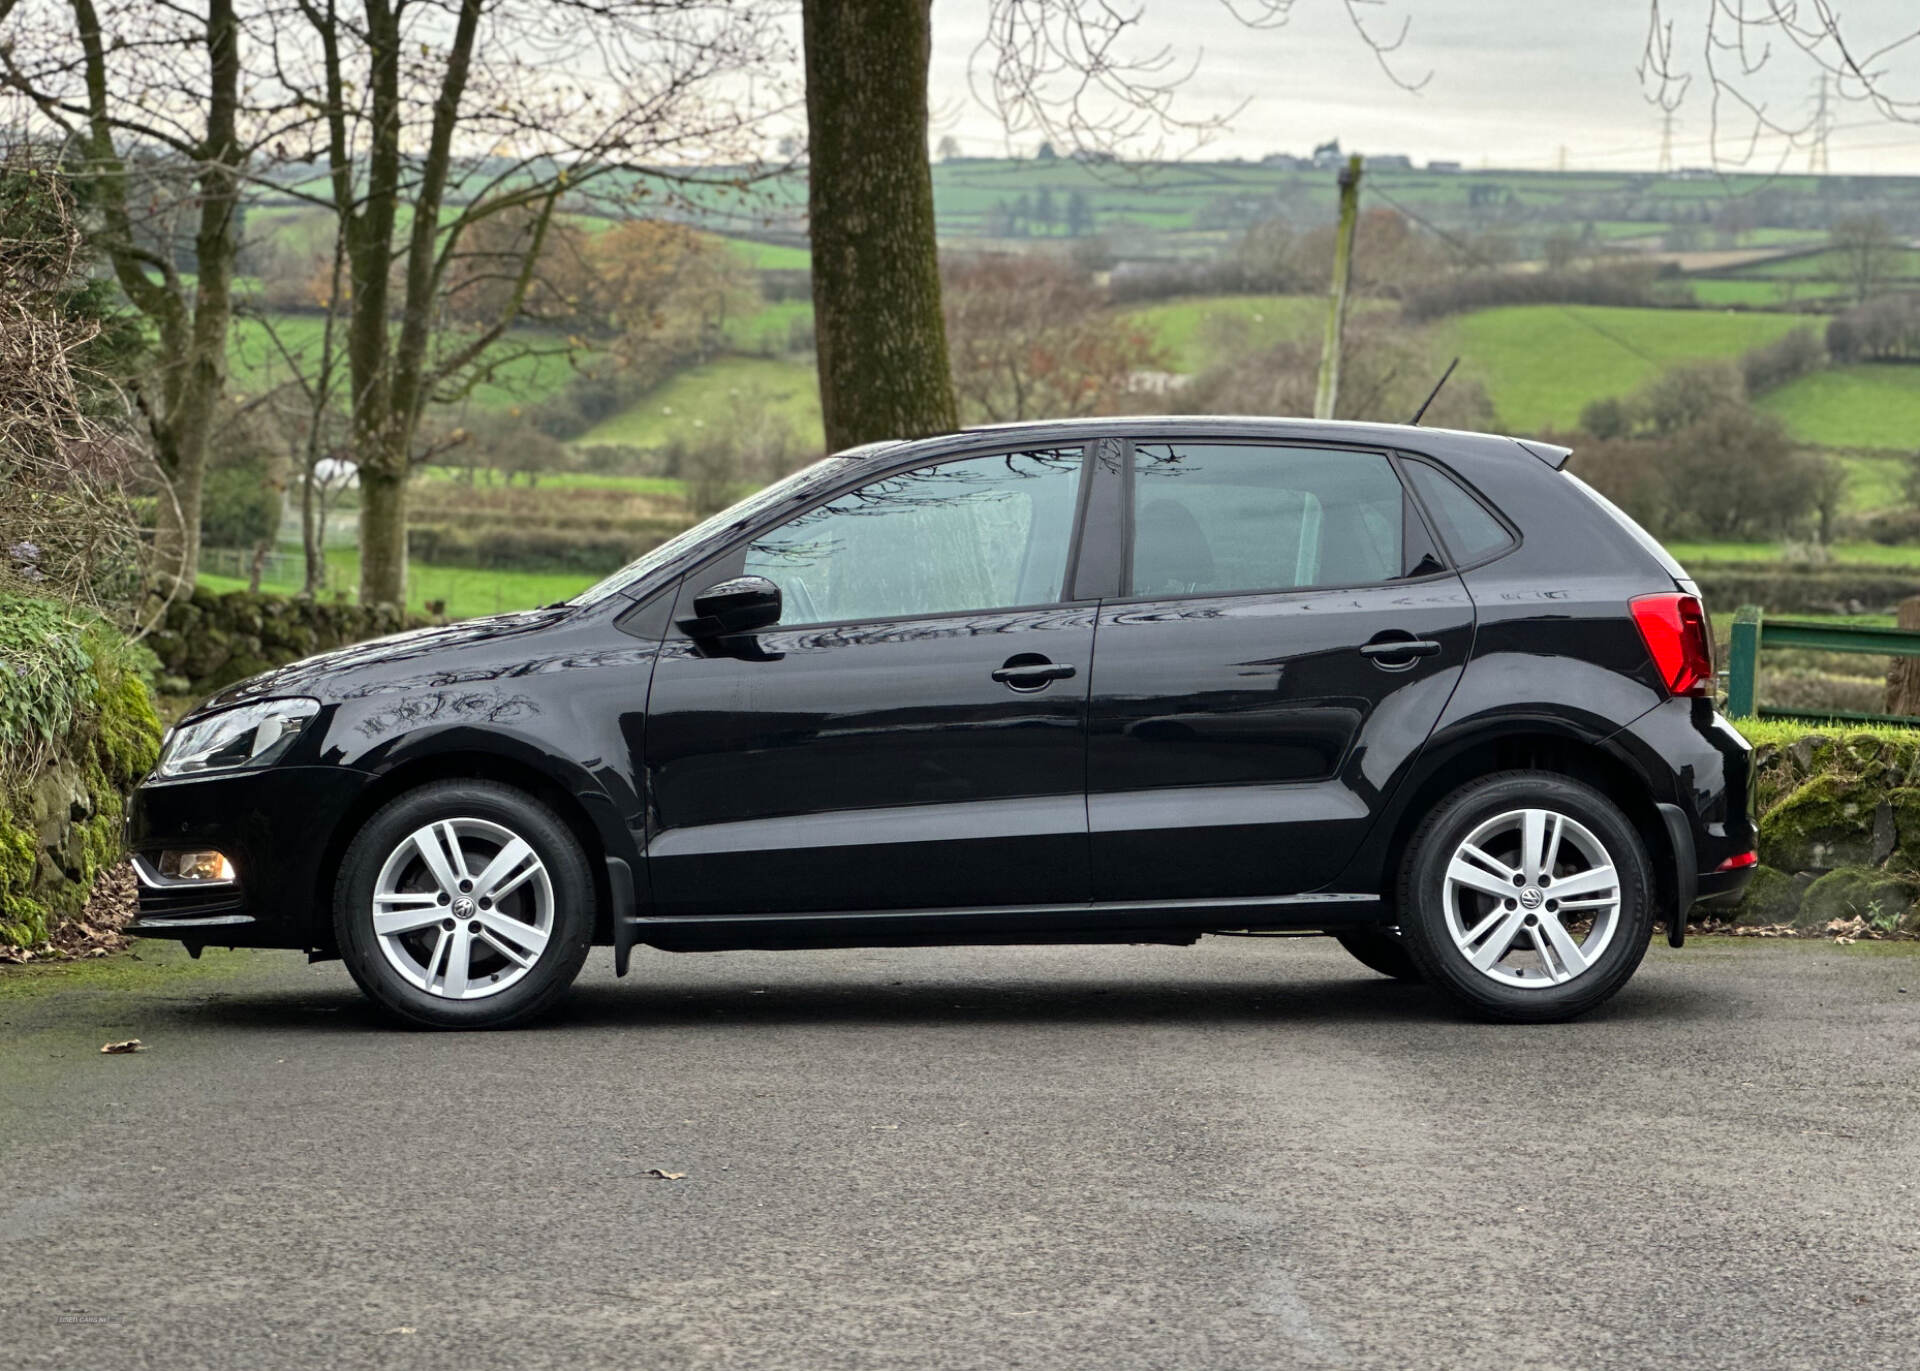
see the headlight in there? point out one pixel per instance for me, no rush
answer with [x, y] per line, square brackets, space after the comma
[252, 735]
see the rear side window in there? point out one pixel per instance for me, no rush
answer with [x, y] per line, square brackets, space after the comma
[1223, 518]
[1466, 526]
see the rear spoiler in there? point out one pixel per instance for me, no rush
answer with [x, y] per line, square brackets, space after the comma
[1552, 454]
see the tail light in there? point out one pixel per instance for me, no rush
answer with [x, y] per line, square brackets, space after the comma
[1675, 629]
[1740, 861]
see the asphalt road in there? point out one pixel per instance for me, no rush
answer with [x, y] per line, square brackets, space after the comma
[1248, 1154]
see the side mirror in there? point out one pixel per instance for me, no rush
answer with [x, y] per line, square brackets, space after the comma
[746, 604]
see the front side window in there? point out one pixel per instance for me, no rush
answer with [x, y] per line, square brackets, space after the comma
[979, 534]
[1219, 518]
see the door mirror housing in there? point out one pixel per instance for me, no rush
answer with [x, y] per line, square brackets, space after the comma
[745, 604]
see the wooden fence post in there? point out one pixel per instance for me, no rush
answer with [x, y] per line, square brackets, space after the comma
[1903, 677]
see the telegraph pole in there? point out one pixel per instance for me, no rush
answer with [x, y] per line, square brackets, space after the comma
[1817, 154]
[1666, 141]
[1327, 394]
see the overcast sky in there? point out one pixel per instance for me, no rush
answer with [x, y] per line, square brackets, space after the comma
[1513, 82]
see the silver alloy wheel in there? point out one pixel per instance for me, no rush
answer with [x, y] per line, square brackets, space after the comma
[1514, 887]
[463, 908]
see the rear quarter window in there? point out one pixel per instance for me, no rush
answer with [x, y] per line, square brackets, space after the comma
[1469, 529]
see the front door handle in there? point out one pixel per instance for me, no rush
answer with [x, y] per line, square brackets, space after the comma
[1400, 647]
[1031, 671]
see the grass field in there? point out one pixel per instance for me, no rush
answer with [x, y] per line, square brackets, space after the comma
[1713, 290]
[468, 592]
[1870, 406]
[572, 480]
[703, 395]
[770, 256]
[769, 328]
[1184, 325]
[1846, 554]
[1541, 364]
[255, 363]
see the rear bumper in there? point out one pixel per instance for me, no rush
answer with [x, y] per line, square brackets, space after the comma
[276, 827]
[1700, 772]
[1723, 887]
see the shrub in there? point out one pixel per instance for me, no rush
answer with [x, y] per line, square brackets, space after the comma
[1785, 359]
[77, 728]
[1629, 285]
[1683, 396]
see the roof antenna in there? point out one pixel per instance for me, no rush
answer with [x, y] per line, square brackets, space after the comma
[1420, 413]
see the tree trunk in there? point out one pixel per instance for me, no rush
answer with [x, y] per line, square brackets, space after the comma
[312, 535]
[1903, 678]
[383, 535]
[176, 544]
[881, 341]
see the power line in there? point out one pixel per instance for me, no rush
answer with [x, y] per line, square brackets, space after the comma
[1466, 251]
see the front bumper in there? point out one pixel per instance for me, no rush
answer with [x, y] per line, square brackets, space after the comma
[278, 827]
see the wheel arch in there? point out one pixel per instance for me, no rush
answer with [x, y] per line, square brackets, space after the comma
[1530, 747]
[460, 764]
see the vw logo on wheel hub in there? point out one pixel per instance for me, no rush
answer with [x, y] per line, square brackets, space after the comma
[1530, 897]
[463, 908]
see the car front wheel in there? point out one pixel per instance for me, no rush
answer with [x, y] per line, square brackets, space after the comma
[1527, 896]
[464, 904]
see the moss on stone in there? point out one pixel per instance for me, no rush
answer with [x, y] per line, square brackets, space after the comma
[1772, 898]
[1853, 892]
[62, 804]
[1826, 822]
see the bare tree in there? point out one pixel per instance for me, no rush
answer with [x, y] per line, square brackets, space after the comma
[152, 97]
[1741, 51]
[67, 526]
[433, 119]
[1869, 251]
[1030, 337]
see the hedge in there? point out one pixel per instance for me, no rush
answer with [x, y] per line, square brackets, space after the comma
[1804, 590]
[77, 729]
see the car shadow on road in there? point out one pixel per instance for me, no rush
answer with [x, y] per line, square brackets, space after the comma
[745, 1003]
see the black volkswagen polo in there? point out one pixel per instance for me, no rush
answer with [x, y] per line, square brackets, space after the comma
[1096, 681]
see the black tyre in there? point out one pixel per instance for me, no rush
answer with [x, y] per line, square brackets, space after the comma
[1378, 950]
[1526, 896]
[464, 904]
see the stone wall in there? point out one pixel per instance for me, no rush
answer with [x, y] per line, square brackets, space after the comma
[1839, 832]
[80, 730]
[208, 641]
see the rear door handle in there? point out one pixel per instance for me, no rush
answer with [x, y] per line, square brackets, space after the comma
[1401, 647]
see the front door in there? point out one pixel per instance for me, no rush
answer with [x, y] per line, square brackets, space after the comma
[912, 733]
[1285, 641]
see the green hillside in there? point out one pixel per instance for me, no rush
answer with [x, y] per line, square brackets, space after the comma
[1870, 406]
[1541, 364]
[704, 395]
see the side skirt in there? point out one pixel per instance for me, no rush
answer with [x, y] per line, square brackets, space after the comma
[1176, 922]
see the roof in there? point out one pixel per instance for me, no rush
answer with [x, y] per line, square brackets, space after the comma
[1437, 441]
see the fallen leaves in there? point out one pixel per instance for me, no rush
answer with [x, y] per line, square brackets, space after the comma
[121, 1048]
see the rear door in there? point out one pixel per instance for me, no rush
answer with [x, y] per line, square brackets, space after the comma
[1285, 639]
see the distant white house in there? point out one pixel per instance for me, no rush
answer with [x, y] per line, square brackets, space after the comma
[335, 473]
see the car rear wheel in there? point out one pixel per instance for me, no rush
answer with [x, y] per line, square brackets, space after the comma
[1527, 896]
[1378, 950]
[464, 904]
